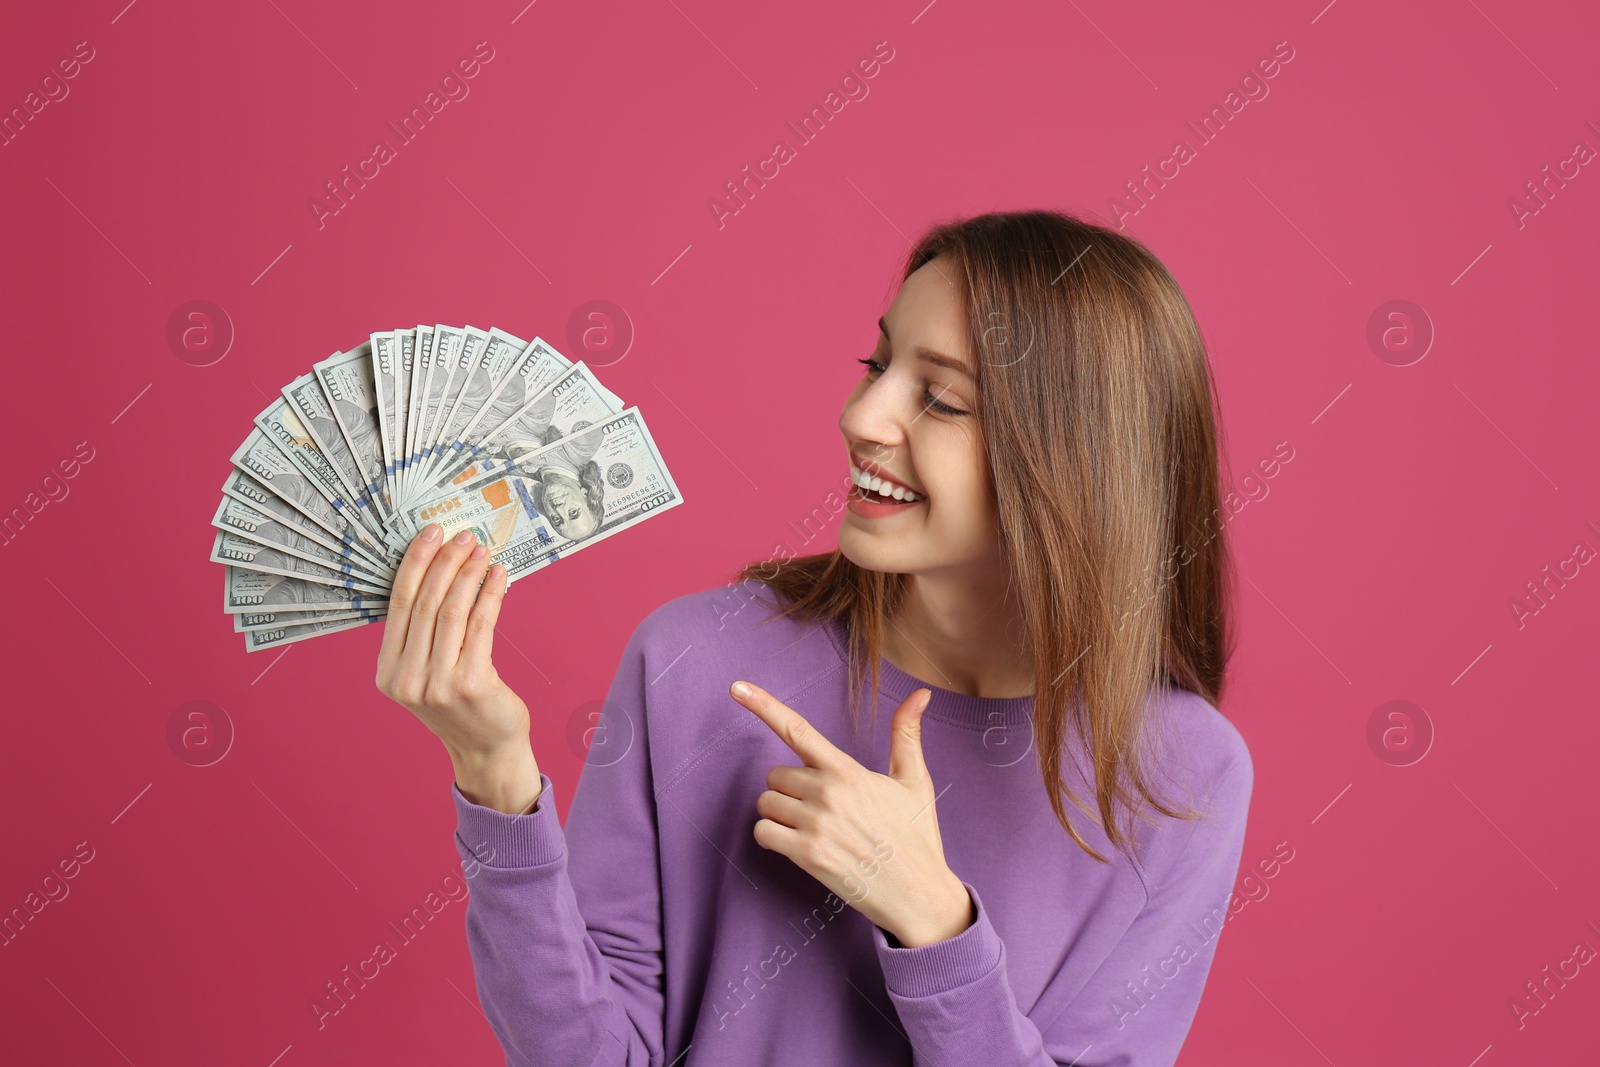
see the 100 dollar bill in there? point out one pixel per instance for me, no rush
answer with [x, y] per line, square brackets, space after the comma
[245, 590]
[242, 551]
[236, 516]
[563, 497]
[273, 636]
[574, 400]
[267, 620]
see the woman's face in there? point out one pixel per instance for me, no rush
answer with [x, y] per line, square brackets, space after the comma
[915, 422]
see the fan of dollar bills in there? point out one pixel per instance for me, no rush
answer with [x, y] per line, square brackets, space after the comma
[472, 429]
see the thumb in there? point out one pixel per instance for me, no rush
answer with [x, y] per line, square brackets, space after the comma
[905, 743]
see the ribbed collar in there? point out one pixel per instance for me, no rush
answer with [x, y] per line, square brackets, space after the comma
[963, 709]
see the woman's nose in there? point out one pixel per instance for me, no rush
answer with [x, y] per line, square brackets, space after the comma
[870, 415]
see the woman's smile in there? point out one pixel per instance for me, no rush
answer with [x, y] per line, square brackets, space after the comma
[876, 484]
[874, 496]
[866, 504]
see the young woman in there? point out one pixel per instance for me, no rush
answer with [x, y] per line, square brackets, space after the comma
[1032, 568]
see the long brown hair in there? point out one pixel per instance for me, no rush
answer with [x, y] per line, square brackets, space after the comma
[1095, 399]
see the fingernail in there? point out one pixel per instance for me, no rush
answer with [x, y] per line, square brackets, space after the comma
[478, 552]
[740, 689]
[463, 537]
[432, 531]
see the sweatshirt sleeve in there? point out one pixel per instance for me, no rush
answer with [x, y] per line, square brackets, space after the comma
[567, 945]
[956, 1002]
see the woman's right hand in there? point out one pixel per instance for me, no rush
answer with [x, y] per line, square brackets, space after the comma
[435, 661]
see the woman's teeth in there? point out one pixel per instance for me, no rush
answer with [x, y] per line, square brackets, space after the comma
[887, 490]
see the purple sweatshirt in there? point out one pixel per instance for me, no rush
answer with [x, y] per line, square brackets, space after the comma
[652, 929]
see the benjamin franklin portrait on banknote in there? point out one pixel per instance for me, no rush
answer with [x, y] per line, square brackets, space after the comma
[567, 486]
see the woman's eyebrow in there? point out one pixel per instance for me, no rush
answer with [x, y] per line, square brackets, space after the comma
[938, 359]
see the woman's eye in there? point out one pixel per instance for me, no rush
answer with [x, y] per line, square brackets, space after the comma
[875, 367]
[934, 403]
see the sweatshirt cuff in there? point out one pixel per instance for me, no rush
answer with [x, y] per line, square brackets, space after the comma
[927, 970]
[489, 838]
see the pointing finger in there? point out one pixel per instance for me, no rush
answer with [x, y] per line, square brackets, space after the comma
[791, 727]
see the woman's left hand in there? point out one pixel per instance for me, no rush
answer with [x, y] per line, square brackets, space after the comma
[847, 826]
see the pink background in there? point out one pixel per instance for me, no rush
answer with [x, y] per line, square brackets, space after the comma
[1380, 564]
